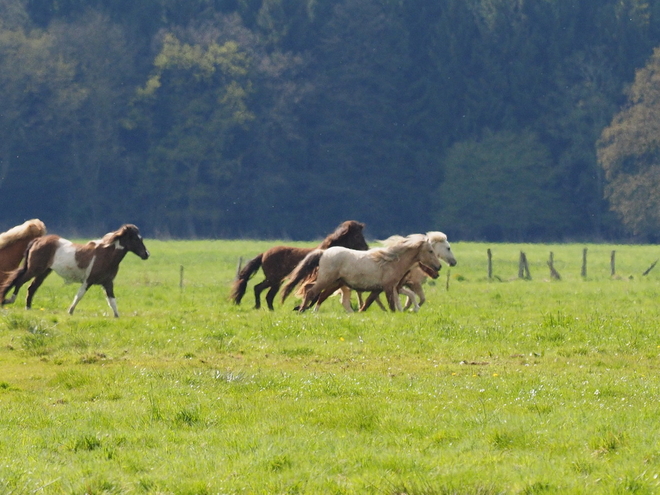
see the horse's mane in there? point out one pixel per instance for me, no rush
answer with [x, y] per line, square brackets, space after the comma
[110, 238]
[436, 237]
[30, 228]
[397, 245]
[340, 232]
[432, 237]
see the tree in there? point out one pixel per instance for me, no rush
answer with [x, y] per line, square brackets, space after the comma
[97, 179]
[629, 152]
[499, 187]
[38, 96]
[192, 107]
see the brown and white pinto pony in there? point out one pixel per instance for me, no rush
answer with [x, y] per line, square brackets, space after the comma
[279, 261]
[94, 263]
[14, 242]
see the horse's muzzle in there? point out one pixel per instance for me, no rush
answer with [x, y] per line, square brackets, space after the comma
[431, 272]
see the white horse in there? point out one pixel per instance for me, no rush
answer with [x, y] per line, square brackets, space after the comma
[376, 270]
[411, 284]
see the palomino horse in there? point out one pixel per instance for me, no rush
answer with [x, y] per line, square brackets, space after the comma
[411, 284]
[279, 261]
[375, 270]
[94, 263]
[14, 242]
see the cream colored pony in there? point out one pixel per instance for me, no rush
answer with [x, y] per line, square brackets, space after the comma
[411, 285]
[376, 270]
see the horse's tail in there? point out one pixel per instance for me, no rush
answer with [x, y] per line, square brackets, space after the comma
[240, 284]
[304, 269]
[14, 275]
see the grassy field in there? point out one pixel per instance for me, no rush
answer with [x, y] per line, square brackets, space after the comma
[495, 386]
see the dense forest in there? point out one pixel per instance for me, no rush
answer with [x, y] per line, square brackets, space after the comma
[487, 119]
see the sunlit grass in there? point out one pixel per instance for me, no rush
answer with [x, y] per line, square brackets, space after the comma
[495, 386]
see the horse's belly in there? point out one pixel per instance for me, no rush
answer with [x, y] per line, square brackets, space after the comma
[64, 264]
[362, 279]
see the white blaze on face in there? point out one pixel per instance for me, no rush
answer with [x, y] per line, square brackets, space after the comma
[64, 263]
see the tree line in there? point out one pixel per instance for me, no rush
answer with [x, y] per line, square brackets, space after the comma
[487, 119]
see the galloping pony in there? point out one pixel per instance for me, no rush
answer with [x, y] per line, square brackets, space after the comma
[279, 261]
[14, 242]
[411, 284]
[376, 270]
[94, 263]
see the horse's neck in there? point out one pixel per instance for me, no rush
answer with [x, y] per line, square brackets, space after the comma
[400, 264]
[116, 253]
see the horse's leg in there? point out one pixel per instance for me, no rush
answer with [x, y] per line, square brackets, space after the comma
[360, 299]
[327, 292]
[270, 297]
[257, 292]
[373, 296]
[110, 296]
[346, 298]
[393, 299]
[380, 303]
[79, 296]
[419, 290]
[20, 278]
[310, 297]
[36, 283]
[411, 300]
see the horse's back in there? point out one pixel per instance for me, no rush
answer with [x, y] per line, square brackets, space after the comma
[279, 261]
[348, 264]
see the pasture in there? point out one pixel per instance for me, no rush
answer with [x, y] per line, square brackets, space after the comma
[495, 386]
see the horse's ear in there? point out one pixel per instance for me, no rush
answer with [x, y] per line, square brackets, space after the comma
[110, 238]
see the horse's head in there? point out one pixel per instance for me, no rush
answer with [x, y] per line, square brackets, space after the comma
[128, 237]
[441, 247]
[348, 234]
[428, 260]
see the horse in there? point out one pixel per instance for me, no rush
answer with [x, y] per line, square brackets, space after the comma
[375, 270]
[279, 261]
[411, 284]
[94, 263]
[14, 242]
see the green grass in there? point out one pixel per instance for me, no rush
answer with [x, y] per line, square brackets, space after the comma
[495, 386]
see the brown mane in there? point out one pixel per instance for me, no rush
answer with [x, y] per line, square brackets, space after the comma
[346, 228]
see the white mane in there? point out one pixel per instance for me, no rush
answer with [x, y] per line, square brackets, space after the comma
[395, 246]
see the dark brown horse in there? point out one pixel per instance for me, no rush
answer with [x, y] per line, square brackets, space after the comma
[279, 261]
[14, 242]
[94, 263]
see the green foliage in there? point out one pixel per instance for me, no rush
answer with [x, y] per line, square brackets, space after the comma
[629, 151]
[499, 187]
[240, 117]
[192, 104]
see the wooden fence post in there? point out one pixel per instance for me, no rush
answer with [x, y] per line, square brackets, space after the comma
[612, 263]
[523, 267]
[650, 268]
[551, 263]
[490, 264]
[584, 263]
[181, 277]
